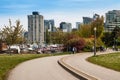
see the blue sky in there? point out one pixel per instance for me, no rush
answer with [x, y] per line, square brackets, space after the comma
[60, 10]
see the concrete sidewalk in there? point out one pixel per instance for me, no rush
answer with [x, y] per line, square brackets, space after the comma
[79, 63]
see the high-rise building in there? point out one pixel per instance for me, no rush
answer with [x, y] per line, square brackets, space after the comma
[78, 25]
[25, 34]
[87, 20]
[36, 28]
[112, 20]
[50, 25]
[66, 27]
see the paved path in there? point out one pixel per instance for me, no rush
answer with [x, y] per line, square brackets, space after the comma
[41, 69]
[78, 62]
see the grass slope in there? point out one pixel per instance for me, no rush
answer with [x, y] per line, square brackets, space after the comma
[111, 61]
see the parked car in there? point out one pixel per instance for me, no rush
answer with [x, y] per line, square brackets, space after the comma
[14, 49]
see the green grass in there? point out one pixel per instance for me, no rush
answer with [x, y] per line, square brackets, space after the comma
[111, 61]
[8, 62]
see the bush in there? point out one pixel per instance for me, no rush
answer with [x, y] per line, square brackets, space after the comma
[87, 49]
[78, 43]
[89, 44]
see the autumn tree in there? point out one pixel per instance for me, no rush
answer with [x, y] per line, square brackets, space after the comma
[85, 31]
[99, 24]
[1, 36]
[13, 34]
[73, 40]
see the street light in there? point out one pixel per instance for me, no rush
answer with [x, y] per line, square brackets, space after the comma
[95, 41]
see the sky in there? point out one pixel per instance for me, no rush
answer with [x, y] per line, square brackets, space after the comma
[70, 11]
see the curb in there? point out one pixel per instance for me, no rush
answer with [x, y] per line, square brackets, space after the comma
[77, 73]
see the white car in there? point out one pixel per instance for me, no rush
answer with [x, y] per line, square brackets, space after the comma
[14, 47]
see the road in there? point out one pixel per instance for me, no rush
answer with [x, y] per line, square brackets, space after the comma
[41, 69]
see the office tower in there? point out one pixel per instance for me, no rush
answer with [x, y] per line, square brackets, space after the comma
[78, 25]
[112, 20]
[66, 27]
[50, 25]
[36, 28]
[25, 35]
[87, 20]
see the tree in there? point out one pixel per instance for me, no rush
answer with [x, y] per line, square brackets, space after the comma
[116, 32]
[85, 31]
[58, 37]
[73, 40]
[1, 36]
[115, 35]
[99, 24]
[89, 44]
[47, 37]
[13, 34]
[110, 38]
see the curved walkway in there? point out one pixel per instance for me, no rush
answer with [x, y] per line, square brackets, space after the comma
[41, 69]
[79, 63]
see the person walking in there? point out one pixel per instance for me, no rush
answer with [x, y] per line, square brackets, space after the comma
[73, 50]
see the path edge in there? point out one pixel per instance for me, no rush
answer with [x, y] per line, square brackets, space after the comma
[75, 72]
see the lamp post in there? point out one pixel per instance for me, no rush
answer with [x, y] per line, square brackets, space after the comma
[95, 41]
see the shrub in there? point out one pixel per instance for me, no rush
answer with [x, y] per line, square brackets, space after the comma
[89, 44]
[79, 43]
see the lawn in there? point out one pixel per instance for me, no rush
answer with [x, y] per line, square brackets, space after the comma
[111, 61]
[8, 62]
